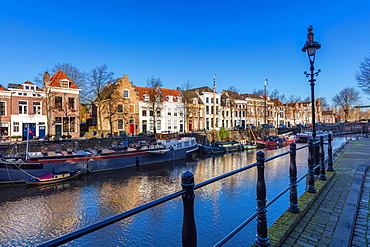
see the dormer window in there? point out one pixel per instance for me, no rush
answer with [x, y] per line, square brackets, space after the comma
[27, 87]
[156, 97]
[64, 83]
[146, 97]
[170, 98]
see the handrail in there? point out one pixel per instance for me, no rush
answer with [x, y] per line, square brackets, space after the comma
[189, 232]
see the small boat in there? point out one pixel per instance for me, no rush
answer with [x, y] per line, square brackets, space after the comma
[220, 147]
[289, 138]
[304, 136]
[247, 145]
[269, 141]
[53, 177]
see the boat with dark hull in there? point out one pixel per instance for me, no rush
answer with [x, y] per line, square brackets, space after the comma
[304, 136]
[220, 147]
[168, 147]
[269, 141]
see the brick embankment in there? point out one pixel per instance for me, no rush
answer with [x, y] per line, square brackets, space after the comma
[337, 215]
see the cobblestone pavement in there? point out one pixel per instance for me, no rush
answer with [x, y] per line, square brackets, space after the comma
[330, 221]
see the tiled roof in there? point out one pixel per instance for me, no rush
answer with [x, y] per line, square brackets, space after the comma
[2, 88]
[256, 96]
[170, 92]
[57, 77]
[145, 90]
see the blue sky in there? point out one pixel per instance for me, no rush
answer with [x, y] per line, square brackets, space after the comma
[243, 42]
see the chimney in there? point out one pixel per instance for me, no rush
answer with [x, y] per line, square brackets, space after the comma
[46, 78]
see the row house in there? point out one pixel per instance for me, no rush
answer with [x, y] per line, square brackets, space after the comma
[211, 101]
[301, 112]
[160, 110]
[118, 107]
[26, 108]
[194, 110]
[22, 110]
[234, 109]
[62, 104]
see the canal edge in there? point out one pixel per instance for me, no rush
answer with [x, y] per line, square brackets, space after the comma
[286, 223]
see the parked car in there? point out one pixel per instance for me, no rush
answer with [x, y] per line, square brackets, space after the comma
[250, 126]
[282, 126]
[267, 126]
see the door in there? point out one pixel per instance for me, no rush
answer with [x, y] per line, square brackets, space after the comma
[29, 130]
[42, 132]
[132, 129]
[58, 131]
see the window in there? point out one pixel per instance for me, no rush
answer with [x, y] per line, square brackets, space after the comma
[120, 124]
[65, 124]
[16, 126]
[151, 113]
[175, 112]
[169, 112]
[64, 83]
[36, 107]
[158, 124]
[71, 104]
[2, 108]
[207, 100]
[72, 124]
[169, 124]
[132, 108]
[120, 108]
[27, 87]
[146, 97]
[126, 94]
[143, 113]
[58, 102]
[207, 109]
[211, 100]
[22, 107]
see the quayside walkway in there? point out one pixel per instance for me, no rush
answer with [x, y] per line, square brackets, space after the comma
[340, 214]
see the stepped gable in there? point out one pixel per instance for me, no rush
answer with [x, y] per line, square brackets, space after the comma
[57, 77]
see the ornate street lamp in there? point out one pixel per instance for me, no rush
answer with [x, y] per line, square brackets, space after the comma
[310, 48]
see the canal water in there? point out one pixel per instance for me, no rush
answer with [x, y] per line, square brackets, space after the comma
[33, 215]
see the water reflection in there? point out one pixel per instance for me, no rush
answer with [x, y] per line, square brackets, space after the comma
[32, 215]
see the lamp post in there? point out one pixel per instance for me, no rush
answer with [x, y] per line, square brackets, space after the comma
[265, 106]
[310, 48]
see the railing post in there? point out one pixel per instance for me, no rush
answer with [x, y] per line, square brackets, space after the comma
[322, 160]
[261, 238]
[316, 148]
[310, 176]
[189, 232]
[293, 205]
[330, 154]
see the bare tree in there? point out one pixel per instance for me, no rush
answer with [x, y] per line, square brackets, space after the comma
[294, 99]
[259, 92]
[96, 80]
[233, 89]
[73, 73]
[363, 76]
[155, 104]
[346, 98]
[276, 95]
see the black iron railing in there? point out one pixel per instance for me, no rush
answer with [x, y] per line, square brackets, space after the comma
[316, 164]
